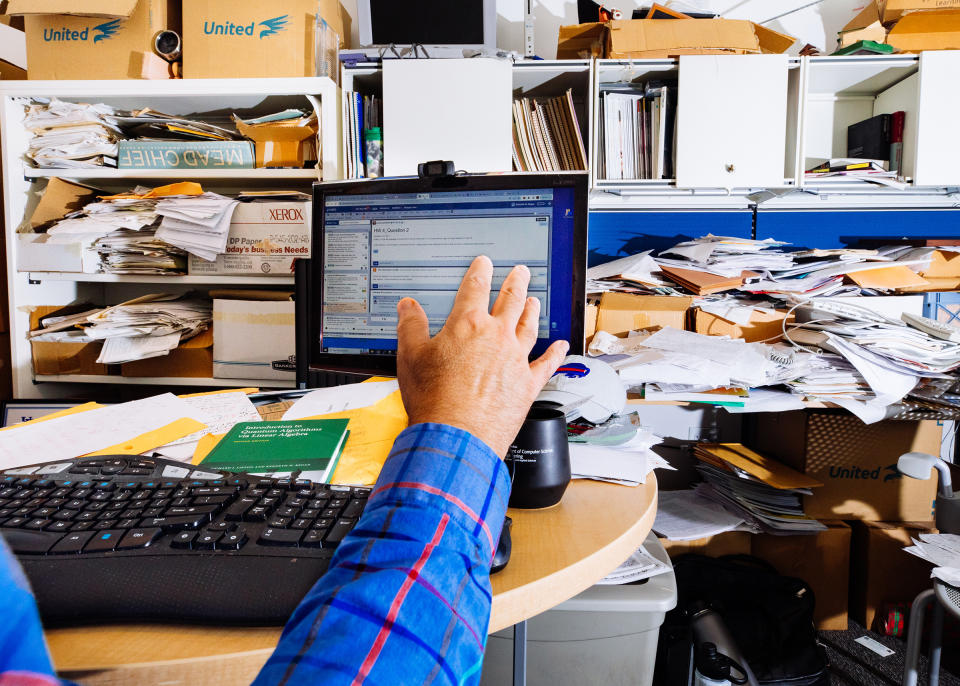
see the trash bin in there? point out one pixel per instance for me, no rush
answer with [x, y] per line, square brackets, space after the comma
[606, 635]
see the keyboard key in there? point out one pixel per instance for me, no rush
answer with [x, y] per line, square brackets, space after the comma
[36, 523]
[221, 526]
[236, 511]
[332, 512]
[81, 492]
[132, 513]
[233, 540]
[354, 508]
[192, 510]
[72, 543]
[15, 522]
[302, 523]
[58, 526]
[98, 496]
[210, 500]
[103, 541]
[31, 542]
[314, 538]
[337, 502]
[139, 538]
[86, 517]
[283, 537]
[65, 515]
[6, 512]
[284, 483]
[208, 540]
[44, 512]
[256, 514]
[322, 523]
[60, 493]
[206, 490]
[184, 539]
[104, 485]
[279, 522]
[107, 514]
[128, 523]
[104, 525]
[137, 471]
[175, 523]
[339, 530]
[302, 483]
[287, 511]
[295, 502]
[153, 512]
[80, 526]
[310, 514]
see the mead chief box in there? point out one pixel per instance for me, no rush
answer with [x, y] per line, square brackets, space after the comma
[856, 462]
[265, 238]
[250, 39]
[93, 39]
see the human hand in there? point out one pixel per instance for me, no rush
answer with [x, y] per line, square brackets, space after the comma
[474, 374]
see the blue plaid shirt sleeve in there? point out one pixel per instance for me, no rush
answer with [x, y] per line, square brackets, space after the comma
[407, 597]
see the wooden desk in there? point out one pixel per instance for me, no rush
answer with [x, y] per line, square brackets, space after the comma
[557, 553]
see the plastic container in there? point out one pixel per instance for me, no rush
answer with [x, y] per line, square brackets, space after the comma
[606, 635]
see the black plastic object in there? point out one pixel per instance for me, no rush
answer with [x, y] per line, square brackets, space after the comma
[504, 548]
[539, 459]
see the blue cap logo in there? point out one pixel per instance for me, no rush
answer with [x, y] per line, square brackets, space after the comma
[573, 370]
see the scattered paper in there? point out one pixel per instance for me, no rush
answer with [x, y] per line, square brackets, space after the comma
[640, 565]
[340, 399]
[685, 516]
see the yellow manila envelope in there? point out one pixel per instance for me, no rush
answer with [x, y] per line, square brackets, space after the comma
[766, 469]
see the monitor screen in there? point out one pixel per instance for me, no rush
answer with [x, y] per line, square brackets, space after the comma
[380, 247]
[427, 22]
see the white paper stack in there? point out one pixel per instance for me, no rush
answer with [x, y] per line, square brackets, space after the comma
[640, 565]
[943, 550]
[627, 464]
[198, 224]
[71, 135]
[139, 252]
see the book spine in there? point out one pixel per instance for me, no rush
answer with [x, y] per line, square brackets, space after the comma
[185, 155]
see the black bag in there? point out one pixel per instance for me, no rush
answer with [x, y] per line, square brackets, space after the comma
[770, 616]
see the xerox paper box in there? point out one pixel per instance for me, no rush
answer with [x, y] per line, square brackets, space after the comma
[265, 239]
[248, 38]
[94, 39]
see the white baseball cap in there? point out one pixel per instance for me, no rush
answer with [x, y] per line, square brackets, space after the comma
[587, 388]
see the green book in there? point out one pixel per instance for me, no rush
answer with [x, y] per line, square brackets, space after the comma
[312, 445]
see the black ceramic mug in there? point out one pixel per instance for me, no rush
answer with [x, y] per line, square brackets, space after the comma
[539, 459]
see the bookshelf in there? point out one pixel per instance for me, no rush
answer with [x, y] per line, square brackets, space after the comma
[213, 99]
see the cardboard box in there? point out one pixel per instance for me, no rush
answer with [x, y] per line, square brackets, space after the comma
[620, 313]
[254, 339]
[880, 572]
[282, 144]
[655, 38]
[590, 322]
[251, 39]
[59, 357]
[13, 50]
[95, 39]
[763, 326]
[59, 199]
[892, 10]
[865, 26]
[265, 240]
[856, 462]
[727, 543]
[933, 30]
[35, 253]
[943, 264]
[193, 358]
[582, 41]
[822, 560]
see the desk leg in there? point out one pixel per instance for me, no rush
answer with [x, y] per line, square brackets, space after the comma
[520, 654]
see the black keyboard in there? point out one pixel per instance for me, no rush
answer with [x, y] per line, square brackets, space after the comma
[122, 538]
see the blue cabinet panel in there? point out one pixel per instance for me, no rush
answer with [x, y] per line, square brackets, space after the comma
[844, 228]
[617, 234]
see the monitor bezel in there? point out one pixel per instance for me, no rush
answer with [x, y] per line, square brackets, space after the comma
[489, 30]
[311, 277]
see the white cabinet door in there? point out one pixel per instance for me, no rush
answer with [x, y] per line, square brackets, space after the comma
[731, 121]
[938, 125]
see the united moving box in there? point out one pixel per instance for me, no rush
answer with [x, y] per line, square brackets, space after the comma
[250, 39]
[62, 357]
[254, 335]
[881, 572]
[620, 313]
[93, 39]
[822, 560]
[856, 462]
[265, 239]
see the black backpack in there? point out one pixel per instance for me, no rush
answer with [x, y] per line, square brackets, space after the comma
[770, 616]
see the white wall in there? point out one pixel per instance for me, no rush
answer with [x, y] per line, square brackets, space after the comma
[817, 25]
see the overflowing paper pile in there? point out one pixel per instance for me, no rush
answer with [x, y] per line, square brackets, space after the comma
[687, 516]
[199, 224]
[70, 135]
[943, 550]
[762, 491]
[139, 252]
[150, 326]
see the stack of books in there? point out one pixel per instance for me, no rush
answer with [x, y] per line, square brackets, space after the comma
[546, 135]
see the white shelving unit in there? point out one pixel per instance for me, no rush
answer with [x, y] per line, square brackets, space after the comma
[211, 97]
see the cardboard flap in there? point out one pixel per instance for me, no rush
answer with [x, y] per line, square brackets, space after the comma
[275, 131]
[59, 199]
[581, 40]
[767, 470]
[773, 42]
[895, 9]
[666, 34]
[87, 8]
[927, 22]
[868, 16]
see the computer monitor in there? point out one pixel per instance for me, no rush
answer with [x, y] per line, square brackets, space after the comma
[378, 241]
[460, 24]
